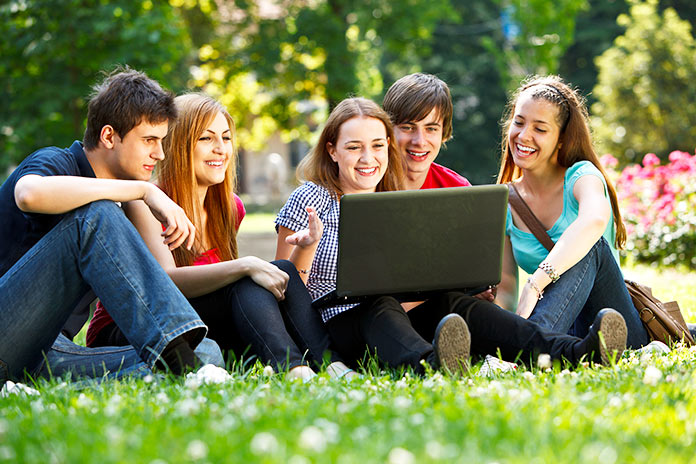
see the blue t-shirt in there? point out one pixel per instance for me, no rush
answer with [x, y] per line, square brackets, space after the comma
[19, 231]
[527, 249]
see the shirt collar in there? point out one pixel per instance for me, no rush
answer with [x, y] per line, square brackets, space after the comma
[78, 150]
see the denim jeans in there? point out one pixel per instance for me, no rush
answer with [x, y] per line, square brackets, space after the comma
[111, 362]
[284, 334]
[95, 247]
[595, 282]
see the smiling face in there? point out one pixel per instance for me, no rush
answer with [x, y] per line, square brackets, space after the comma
[212, 152]
[419, 143]
[361, 152]
[533, 134]
[135, 155]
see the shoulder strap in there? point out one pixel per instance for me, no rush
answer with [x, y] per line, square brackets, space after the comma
[525, 213]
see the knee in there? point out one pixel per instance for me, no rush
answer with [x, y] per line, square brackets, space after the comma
[285, 266]
[385, 306]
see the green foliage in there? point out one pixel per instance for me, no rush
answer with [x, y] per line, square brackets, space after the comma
[460, 59]
[306, 56]
[544, 31]
[595, 31]
[645, 84]
[53, 51]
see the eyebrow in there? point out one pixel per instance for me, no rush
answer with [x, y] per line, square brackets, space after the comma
[360, 141]
[535, 120]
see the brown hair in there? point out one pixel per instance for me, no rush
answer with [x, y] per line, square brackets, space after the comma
[123, 100]
[318, 167]
[575, 137]
[413, 97]
[177, 177]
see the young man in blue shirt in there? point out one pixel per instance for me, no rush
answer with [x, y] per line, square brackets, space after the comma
[64, 239]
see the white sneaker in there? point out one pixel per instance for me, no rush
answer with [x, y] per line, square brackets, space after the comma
[207, 374]
[654, 346]
[492, 365]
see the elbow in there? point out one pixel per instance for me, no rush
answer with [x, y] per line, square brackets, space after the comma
[26, 199]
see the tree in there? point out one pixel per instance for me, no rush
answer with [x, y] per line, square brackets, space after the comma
[595, 31]
[478, 92]
[646, 86]
[537, 33]
[303, 56]
[53, 51]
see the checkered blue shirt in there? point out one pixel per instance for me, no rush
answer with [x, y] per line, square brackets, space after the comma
[322, 275]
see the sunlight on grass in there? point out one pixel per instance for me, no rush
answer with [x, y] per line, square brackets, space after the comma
[258, 223]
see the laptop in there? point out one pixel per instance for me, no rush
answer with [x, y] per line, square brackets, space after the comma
[412, 244]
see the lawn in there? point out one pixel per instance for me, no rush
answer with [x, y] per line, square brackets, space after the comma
[642, 409]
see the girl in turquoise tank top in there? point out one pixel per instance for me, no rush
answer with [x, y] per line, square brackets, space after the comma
[548, 155]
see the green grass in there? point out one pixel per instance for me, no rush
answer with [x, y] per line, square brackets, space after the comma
[258, 223]
[596, 415]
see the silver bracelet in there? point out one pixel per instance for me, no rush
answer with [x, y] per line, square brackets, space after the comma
[540, 293]
[550, 271]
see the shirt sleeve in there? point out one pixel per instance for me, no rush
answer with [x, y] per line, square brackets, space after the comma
[293, 214]
[578, 170]
[240, 210]
[49, 162]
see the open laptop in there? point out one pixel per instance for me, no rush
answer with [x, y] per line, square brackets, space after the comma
[414, 243]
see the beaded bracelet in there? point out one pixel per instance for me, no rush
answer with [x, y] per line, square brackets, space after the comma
[303, 271]
[550, 271]
[540, 293]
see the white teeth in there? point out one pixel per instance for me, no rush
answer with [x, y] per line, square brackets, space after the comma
[524, 149]
[214, 163]
[419, 155]
[366, 170]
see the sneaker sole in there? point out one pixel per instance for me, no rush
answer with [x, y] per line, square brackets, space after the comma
[613, 336]
[453, 343]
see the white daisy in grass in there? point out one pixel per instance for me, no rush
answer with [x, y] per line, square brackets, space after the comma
[264, 443]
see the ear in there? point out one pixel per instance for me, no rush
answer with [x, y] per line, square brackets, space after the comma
[107, 136]
[332, 151]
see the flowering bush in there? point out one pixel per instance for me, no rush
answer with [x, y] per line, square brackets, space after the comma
[658, 205]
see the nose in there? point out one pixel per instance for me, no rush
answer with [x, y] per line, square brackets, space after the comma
[418, 137]
[158, 152]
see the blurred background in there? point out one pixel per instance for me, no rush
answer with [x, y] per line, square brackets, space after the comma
[280, 65]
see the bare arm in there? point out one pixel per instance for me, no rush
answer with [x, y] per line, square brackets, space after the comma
[60, 194]
[509, 282]
[300, 247]
[195, 281]
[576, 241]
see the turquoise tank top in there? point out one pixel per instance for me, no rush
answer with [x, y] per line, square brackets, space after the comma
[527, 249]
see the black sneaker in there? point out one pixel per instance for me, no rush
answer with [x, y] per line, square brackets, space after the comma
[609, 333]
[452, 343]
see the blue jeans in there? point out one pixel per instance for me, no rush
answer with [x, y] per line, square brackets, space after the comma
[95, 247]
[595, 282]
[111, 362]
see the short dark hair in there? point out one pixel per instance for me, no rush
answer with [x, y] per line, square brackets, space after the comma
[413, 97]
[123, 100]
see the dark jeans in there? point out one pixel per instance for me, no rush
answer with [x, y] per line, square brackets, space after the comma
[495, 330]
[284, 334]
[382, 327]
[403, 339]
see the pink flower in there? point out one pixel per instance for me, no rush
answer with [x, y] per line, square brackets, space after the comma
[608, 161]
[651, 159]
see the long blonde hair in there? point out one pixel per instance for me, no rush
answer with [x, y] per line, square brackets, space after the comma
[574, 138]
[318, 167]
[177, 177]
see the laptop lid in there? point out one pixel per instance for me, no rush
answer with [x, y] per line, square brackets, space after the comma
[414, 242]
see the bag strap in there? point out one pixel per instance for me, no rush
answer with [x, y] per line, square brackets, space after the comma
[525, 213]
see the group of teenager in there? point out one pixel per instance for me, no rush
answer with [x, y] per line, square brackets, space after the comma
[162, 258]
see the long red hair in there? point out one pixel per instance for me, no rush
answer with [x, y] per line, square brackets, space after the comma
[176, 176]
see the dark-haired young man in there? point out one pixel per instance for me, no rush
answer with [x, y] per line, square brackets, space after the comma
[63, 235]
[420, 107]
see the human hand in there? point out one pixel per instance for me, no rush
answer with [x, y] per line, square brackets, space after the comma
[488, 294]
[527, 302]
[267, 275]
[179, 230]
[309, 236]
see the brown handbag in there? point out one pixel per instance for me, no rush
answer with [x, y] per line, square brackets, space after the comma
[662, 321]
